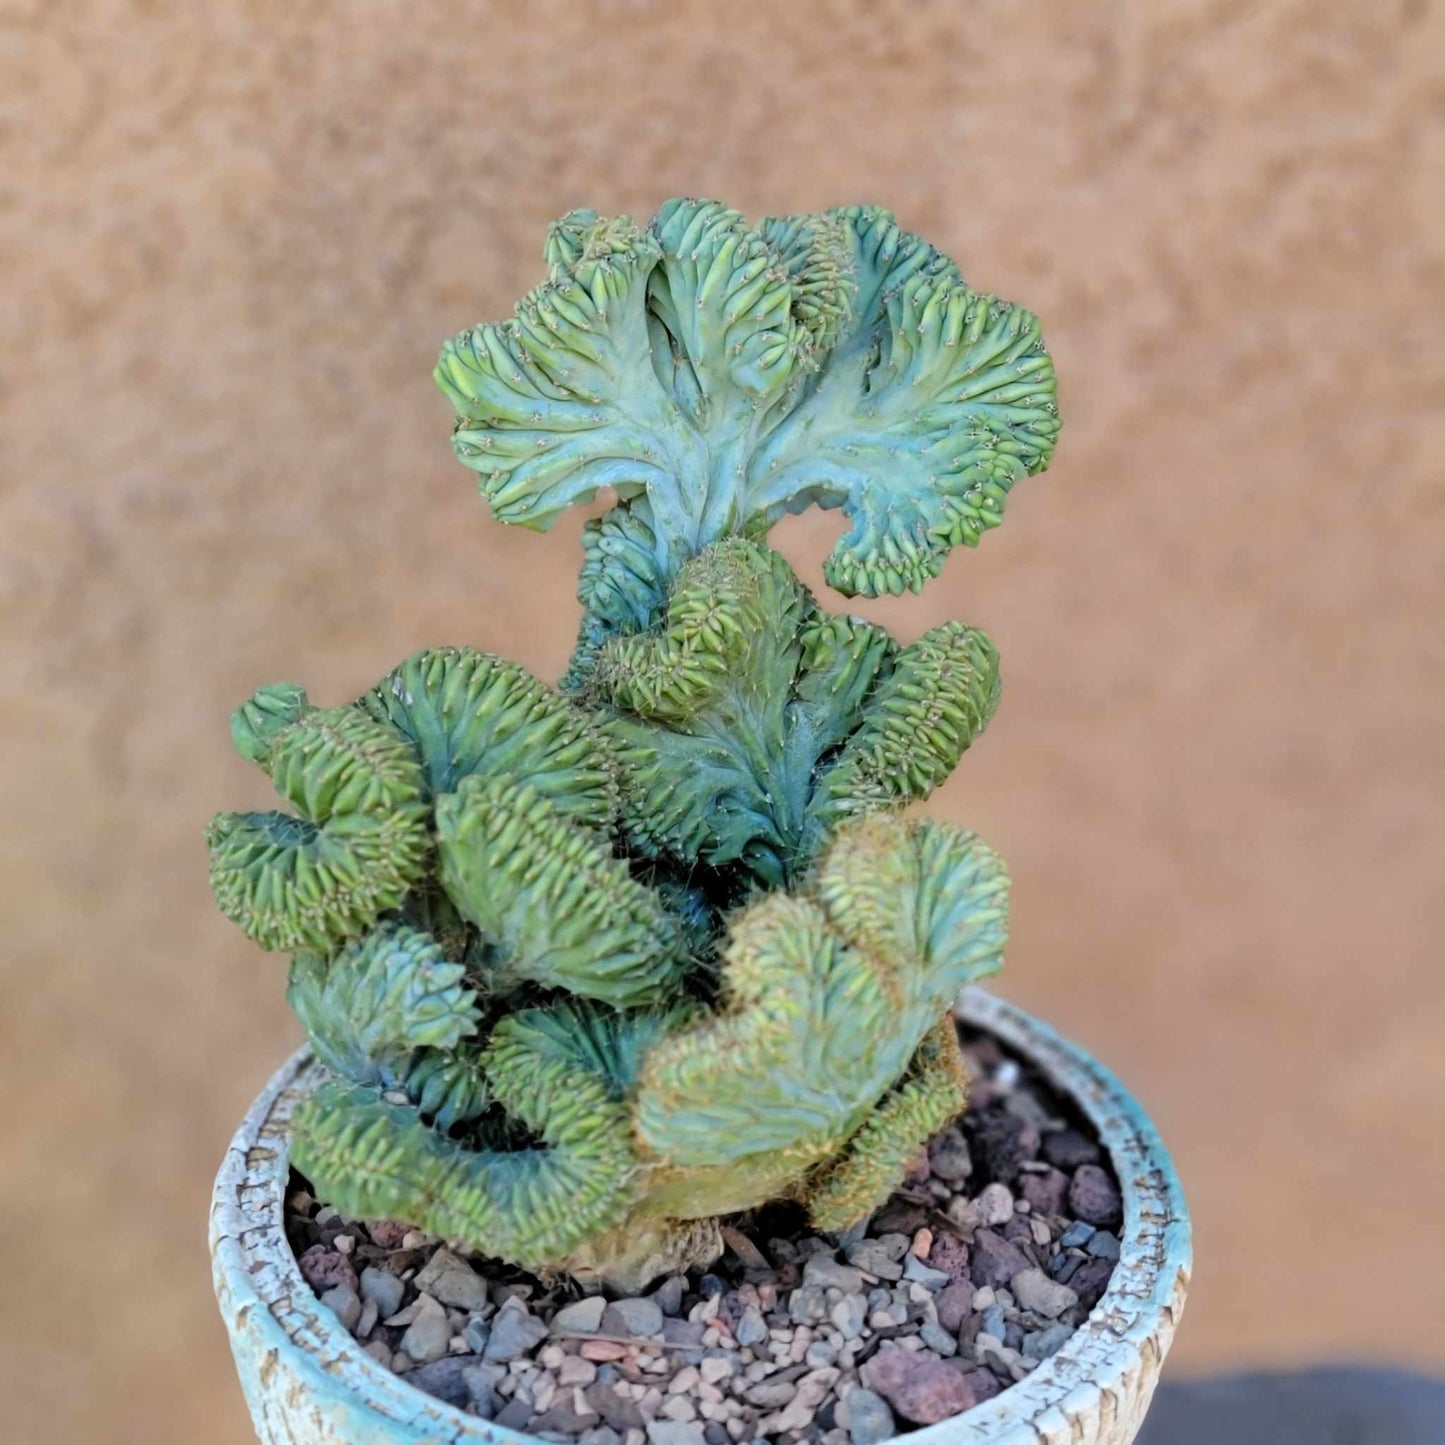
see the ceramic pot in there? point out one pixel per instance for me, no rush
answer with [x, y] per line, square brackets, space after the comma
[307, 1382]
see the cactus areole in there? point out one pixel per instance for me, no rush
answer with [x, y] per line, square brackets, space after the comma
[591, 968]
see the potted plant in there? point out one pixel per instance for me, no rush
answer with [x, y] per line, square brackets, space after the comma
[604, 985]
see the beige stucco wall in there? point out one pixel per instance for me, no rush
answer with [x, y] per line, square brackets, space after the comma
[232, 236]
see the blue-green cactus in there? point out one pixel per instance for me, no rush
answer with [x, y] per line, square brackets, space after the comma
[590, 970]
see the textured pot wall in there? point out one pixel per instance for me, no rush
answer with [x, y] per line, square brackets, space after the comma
[232, 236]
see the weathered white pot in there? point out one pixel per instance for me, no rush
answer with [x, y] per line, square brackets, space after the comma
[307, 1381]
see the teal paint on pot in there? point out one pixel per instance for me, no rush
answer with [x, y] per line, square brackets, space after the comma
[307, 1382]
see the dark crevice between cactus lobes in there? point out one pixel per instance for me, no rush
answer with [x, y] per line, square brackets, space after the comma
[593, 968]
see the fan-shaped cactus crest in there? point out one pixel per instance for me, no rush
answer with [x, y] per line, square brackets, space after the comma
[591, 969]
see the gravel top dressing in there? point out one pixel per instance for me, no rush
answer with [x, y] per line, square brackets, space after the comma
[993, 1251]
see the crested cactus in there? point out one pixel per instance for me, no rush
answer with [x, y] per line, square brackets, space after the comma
[590, 969]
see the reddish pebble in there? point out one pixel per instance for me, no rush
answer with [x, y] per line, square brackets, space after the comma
[919, 1386]
[950, 1254]
[600, 1350]
[324, 1269]
[954, 1303]
[388, 1233]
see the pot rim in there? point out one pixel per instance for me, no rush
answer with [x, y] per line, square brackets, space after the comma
[1106, 1369]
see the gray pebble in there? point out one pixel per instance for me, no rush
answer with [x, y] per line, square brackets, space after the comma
[384, 1287]
[1035, 1291]
[937, 1339]
[445, 1379]
[995, 1205]
[991, 1322]
[1104, 1245]
[769, 1394]
[675, 1432]
[993, 1259]
[476, 1333]
[869, 1418]
[752, 1328]
[599, 1435]
[825, 1272]
[636, 1317]
[514, 1415]
[344, 1303]
[876, 1257]
[668, 1295]
[848, 1314]
[450, 1279]
[1067, 1149]
[808, 1305]
[514, 1333]
[1043, 1343]
[583, 1316]
[931, 1279]
[427, 1337]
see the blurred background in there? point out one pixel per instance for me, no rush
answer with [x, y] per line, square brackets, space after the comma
[232, 238]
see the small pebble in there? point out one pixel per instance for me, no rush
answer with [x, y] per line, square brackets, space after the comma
[1035, 1291]
[938, 1339]
[920, 1387]
[603, 1350]
[993, 1259]
[751, 1329]
[383, 1287]
[583, 1316]
[429, 1334]
[1104, 1245]
[515, 1332]
[1042, 1343]
[1067, 1149]
[1093, 1196]
[1045, 1193]
[450, 1279]
[931, 1279]
[954, 1303]
[322, 1268]
[344, 1303]
[668, 1295]
[995, 1205]
[823, 1271]
[848, 1316]
[636, 1318]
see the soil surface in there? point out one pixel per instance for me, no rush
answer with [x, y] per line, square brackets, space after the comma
[996, 1247]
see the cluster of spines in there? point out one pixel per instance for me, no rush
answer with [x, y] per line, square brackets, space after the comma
[356, 845]
[560, 910]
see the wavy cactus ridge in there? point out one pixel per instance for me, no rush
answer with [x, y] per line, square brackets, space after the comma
[750, 723]
[356, 844]
[391, 1011]
[466, 711]
[593, 969]
[558, 908]
[933, 1091]
[827, 996]
[718, 375]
